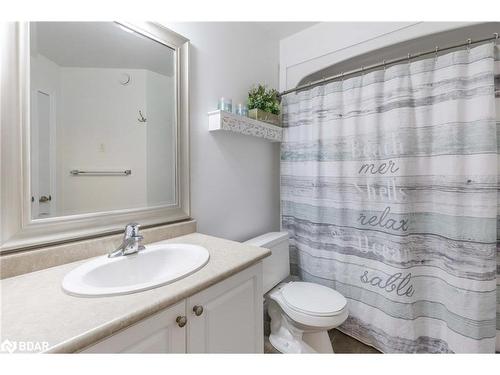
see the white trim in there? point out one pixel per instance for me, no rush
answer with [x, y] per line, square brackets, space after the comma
[18, 230]
[298, 63]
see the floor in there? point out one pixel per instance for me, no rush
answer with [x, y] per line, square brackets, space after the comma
[342, 344]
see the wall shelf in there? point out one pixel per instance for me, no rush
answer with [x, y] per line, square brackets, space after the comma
[222, 120]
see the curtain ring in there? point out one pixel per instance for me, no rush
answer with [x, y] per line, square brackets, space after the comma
[436, 52]
[496, 38]
[342, 76]
[469, 41]
[383, 62]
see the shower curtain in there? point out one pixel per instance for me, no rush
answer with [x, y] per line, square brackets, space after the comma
[389, 194]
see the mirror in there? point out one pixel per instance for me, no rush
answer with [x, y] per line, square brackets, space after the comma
[103, 122]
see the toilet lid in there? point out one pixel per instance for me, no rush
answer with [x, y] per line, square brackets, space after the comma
[313, 299]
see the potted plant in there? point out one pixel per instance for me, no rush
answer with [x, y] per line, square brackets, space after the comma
[264, 104]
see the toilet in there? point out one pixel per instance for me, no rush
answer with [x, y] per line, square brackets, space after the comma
[301, 312]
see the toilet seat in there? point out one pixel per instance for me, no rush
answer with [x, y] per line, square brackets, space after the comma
[305, 304]
[313, 299]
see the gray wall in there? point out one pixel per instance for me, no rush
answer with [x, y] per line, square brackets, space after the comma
[234, 178]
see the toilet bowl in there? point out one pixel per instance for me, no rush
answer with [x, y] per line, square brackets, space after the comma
[301, 312]
[301, 315]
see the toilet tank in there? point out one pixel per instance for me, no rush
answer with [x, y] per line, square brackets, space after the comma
[276, 267]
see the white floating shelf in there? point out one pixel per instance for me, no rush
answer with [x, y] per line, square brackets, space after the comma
[222, 120]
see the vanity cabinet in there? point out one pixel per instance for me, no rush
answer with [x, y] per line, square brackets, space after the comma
[159, 333]
[224, 318]
[228, 317]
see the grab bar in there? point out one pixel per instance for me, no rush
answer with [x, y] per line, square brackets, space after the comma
[76, 172]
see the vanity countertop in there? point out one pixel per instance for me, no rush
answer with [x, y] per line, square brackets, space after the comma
[35, 309]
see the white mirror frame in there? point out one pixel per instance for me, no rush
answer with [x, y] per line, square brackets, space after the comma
[17, 230]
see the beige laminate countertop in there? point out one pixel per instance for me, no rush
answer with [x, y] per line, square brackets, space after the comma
[35, 309]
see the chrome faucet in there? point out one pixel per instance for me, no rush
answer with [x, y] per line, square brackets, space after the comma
[131, 242]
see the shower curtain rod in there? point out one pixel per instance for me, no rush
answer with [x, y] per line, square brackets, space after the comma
[385, 63]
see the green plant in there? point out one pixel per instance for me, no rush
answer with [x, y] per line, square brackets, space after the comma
[265, 99]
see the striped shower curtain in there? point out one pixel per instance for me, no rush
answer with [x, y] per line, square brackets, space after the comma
[389, 194]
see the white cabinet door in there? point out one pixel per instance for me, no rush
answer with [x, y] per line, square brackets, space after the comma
[159, 333]
[232, 317]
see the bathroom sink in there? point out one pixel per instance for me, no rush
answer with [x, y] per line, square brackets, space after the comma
[152, 267]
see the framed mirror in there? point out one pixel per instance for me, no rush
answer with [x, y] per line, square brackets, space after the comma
[104, 130]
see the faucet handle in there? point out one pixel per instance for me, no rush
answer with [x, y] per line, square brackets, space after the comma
[132, 230]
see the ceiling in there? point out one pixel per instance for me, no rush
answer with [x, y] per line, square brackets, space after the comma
[281, 30]
[109, 45]
[99, 45]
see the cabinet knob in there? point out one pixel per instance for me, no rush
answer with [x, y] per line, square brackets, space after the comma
[181, 321]
[198, 310]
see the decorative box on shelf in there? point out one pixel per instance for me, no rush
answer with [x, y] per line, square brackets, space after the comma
[222, 120]
[259, 114]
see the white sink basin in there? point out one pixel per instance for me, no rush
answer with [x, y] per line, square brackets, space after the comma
[150, 268]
